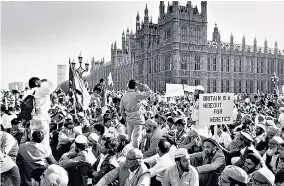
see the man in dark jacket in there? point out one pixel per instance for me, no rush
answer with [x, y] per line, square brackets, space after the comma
[209, 163]
[105, 162]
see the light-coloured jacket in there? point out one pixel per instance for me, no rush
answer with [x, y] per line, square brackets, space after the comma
[171, 177]
[131, 105]
[141, 178]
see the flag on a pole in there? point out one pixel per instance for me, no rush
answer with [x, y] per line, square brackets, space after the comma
[109, 79]
[80, 90]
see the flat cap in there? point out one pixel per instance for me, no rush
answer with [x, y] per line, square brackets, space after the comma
[211, 141]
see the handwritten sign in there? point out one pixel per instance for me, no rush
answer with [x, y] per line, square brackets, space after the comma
[188, 88]
[216, 109]
[174, 90]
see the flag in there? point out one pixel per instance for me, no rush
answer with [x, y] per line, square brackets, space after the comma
[109, 79]
[77, 84]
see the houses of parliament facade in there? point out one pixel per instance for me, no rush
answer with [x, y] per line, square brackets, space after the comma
[176, 50]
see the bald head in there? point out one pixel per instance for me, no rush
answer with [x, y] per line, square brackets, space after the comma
[134, 154]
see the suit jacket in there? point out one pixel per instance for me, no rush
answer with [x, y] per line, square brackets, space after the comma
[141, 178]
[152, 150]
[107, 165]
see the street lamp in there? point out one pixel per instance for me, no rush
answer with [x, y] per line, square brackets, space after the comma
[80, 69]
[275, 80]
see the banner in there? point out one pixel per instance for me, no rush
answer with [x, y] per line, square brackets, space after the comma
[188, 88]
[174, 90]
[216, 109]
[109, 79]
[77, 84]
[282, 89]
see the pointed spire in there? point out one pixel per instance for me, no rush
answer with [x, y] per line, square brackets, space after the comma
[80, 54]
[127, 31]
[69, 60]
[123, 33]
[275, 44]
[73, 60]
[231, 38]
[146, 10]
[265, 42]
[137, 17]
[151, 19]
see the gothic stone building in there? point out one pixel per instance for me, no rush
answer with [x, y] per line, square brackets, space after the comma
[176, 50]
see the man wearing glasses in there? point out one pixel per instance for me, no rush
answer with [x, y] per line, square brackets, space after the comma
[131, 173]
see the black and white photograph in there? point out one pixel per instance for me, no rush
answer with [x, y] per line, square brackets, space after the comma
[142, 93]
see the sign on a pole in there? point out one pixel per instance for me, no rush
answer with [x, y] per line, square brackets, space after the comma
[174, 90]
[216, 109]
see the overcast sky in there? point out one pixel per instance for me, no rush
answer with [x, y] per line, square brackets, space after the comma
[36, 36]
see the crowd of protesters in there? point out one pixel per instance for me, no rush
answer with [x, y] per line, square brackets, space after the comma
[138, 138]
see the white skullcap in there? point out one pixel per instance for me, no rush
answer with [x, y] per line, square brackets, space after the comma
[94, 137]
[236, 173]
[180, 152]
[81, 114]
[264, 175]
[81, 139]
[277, 139]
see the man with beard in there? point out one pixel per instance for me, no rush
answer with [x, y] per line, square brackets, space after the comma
[123, 147]
[152, 138]
[272, 154]
[252, 163]
[245, 146]
[78, 163]
[259, 132]
[209, 163]
[182, 173]
[132, 172]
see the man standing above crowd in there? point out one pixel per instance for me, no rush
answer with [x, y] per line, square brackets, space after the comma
[131, 109]
[41, 89]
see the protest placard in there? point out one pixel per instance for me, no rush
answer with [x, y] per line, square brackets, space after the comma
[216, 109]
[188, 88]
[174, 90]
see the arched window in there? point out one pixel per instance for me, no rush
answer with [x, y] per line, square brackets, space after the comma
[168, 33]
[197, 34]
[184, 34]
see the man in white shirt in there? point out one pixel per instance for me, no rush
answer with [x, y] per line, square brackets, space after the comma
[41, 119]
[162, 162]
